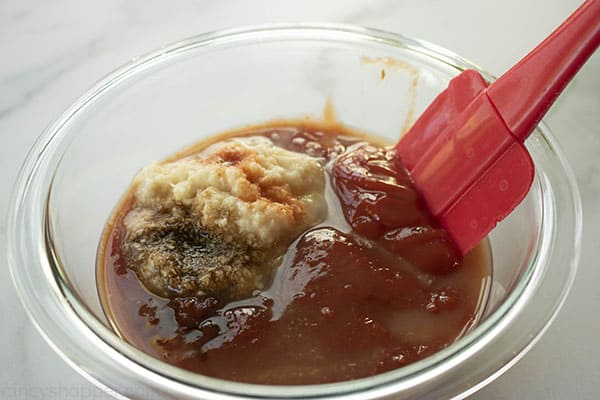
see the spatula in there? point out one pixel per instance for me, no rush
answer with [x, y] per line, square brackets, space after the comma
[465, 153]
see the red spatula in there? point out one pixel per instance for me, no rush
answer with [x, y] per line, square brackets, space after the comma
[465, 153]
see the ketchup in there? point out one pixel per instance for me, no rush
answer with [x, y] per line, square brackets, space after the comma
[381, 203]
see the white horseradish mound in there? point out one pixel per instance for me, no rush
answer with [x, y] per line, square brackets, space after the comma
[210, 224]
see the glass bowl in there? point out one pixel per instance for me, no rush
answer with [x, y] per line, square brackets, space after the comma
[378, 82]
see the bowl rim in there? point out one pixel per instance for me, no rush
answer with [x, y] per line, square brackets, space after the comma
[101, 337]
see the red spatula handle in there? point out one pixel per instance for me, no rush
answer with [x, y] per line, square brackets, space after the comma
[524, 93]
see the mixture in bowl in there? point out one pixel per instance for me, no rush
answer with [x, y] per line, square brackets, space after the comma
[290, 253]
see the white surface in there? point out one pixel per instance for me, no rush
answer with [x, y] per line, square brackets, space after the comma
[51, 52]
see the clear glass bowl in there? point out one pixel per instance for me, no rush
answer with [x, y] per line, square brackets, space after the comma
[157, 104]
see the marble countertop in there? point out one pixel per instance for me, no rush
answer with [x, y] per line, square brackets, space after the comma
[51, 52]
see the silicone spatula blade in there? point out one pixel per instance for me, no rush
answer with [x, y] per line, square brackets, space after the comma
[465, 153]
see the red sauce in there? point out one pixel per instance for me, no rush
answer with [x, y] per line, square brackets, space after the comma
[380, 203]
[375, 287]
